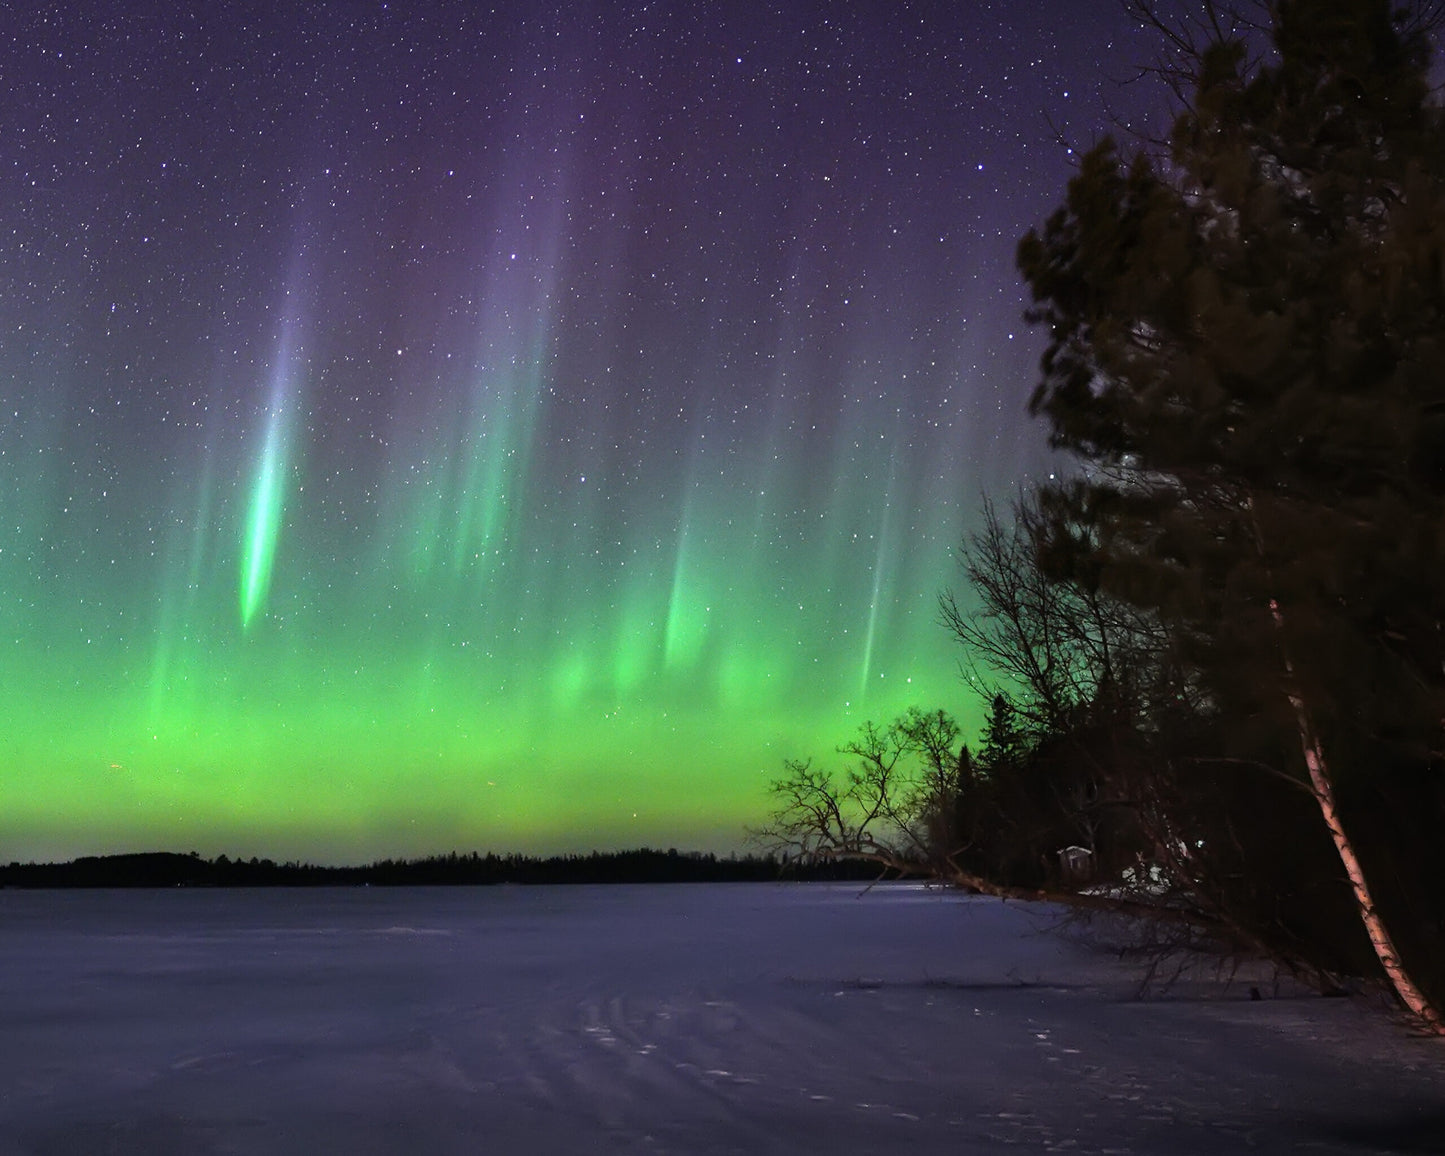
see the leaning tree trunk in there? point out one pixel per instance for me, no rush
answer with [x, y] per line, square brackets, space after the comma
[1323, 791]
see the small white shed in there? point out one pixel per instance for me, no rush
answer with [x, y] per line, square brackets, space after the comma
[1076, 864]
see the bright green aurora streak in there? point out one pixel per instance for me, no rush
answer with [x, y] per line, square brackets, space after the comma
[263, 524]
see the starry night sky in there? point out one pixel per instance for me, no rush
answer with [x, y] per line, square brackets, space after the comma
[426, 426]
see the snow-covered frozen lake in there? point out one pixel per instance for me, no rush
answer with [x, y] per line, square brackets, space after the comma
[686, 1019]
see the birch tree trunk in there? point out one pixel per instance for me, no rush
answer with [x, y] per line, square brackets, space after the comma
[1322, 788]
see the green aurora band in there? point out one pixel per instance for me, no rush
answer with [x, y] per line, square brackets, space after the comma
[515, 430]
[490, 643]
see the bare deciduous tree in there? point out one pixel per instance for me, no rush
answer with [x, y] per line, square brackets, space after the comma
[894, 806]
[1058, 641]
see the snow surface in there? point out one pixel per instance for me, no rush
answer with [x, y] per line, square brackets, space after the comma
[747, 1018]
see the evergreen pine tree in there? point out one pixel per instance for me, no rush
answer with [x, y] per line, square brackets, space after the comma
[1004, 745]
[1247, 347]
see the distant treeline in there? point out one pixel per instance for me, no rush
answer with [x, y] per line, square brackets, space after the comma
[644, 865]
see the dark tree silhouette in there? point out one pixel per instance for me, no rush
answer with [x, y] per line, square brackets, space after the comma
[1247, 345]
[898, 805]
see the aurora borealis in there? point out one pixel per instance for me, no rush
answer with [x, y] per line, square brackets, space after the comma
[431, 425]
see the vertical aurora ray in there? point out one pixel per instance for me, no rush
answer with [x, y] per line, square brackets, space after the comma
[505, 402]
[688, 614]
[180, 592]
[686, 625]
[881, 555]
[267, 505]
[461, 504]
